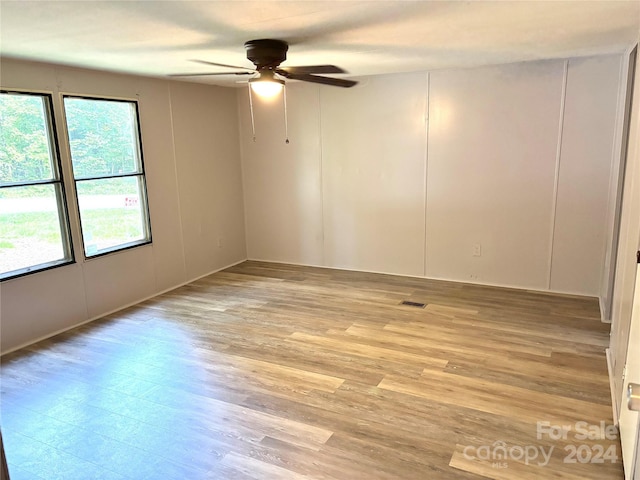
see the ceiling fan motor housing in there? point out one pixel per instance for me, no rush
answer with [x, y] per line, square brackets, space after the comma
[266, 53]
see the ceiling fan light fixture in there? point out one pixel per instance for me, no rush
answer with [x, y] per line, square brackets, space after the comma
[266, 85]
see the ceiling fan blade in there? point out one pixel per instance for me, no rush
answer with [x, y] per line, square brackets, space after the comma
[334, 82]
[208, 74]
[313, 69]
[223, 65]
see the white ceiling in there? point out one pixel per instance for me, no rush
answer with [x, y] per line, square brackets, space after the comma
[363, 37]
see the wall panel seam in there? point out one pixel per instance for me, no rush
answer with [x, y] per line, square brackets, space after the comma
[243, 179]
[426, 171]
[556, 181]
[177, 180]
[321, 164]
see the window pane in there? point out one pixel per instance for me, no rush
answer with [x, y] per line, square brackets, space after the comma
[25, 149]
[102, 137]
[30, 228]
[112, 212]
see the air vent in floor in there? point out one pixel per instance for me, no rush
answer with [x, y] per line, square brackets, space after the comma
[413, 304]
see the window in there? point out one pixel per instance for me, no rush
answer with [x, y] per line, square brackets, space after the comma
[34, 227]
[106, 155]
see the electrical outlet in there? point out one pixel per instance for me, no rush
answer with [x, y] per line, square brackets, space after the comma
[219, 242]
[477, 250]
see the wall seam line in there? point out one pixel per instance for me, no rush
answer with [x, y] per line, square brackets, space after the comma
[177, 180]
[426, 170]
[556, 180]
[322, 226]
[243, 176]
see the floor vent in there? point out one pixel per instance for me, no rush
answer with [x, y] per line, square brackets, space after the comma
[413, 304]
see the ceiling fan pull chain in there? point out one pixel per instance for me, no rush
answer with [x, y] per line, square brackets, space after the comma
[253, 124]
[286, 124]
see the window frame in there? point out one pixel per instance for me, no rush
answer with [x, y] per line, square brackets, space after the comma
[58, 183]
[144, 197]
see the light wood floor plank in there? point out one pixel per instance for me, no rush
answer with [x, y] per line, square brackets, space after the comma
[271, 371]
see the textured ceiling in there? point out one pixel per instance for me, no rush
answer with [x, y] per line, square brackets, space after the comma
[371, 37]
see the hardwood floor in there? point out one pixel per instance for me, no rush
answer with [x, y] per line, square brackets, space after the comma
[268, 371]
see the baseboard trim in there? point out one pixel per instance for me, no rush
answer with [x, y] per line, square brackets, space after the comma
[130, 304]
[110, 312]
[603, 317]
[440, 279]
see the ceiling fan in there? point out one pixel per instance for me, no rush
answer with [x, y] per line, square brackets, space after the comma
[267, 55]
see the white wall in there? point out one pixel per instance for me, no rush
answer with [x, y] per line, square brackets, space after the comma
[616, 184]
[364, 174]
[493, 137]
[284, 210]
[207, 150]
[628, 245]
[191, 154]
[373, 151]
[515, 158]
[586, 162]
